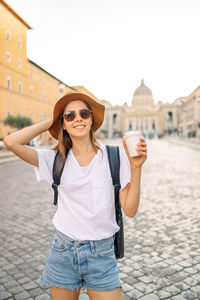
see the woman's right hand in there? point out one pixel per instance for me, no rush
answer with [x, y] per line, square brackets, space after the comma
[16, 141]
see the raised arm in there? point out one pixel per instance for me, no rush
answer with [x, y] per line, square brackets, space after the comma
[130, 195]
[16, 142]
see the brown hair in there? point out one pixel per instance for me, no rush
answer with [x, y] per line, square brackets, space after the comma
[65, 142]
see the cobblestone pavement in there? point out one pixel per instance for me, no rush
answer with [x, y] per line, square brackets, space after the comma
[162, 253]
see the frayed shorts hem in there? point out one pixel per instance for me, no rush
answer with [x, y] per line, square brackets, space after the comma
[111, 288]
[45, 284]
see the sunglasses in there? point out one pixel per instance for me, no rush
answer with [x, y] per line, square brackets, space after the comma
[71, 115]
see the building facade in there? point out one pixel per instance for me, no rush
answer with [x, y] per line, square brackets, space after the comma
[189, 112]
[181, 117]
[26, 89]
[143, 115]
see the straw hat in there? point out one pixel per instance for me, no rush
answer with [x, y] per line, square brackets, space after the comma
[97, 111]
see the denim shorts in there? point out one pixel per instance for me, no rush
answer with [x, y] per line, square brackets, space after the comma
[74, 264]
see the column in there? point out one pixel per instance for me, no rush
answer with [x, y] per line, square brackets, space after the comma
[110, 129]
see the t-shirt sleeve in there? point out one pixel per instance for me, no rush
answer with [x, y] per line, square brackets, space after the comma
[45, 160]
[125, 170]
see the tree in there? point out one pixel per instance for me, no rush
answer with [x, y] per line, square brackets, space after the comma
[18, 122]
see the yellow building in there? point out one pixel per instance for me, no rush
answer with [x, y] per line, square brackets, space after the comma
[189, 110]
[25, 87]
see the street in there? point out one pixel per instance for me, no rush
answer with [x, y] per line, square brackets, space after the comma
[162, 248]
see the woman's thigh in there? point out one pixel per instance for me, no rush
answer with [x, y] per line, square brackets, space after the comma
[64, 294]
[115, 294]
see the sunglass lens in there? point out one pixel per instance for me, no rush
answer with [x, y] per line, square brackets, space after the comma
[70, 116]
[85, 113]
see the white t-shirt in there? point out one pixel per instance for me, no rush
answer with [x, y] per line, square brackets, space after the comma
[86, 209]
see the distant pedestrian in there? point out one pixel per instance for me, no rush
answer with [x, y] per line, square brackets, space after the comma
[82, 247]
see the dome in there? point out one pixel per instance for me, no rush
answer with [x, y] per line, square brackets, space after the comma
[142, 90]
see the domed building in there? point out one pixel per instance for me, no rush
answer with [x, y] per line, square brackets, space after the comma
[143, 115]
[142, 95]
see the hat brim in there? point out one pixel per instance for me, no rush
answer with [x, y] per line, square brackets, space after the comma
[97, 108]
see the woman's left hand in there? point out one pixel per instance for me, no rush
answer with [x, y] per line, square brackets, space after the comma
[137, 161]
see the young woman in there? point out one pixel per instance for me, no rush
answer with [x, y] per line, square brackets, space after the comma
[82, 247]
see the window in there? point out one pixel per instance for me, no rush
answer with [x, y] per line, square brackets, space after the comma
[137, 123]
[19, 87]
[170, 116]
[40, 95]
[31, 115]
[31, 91]
[31, 74]
[40, 117]
[114, 118]
[61, 89]
[44, 96]
[19, 63]
[19, 43]
[8, 56]
[8, 35]
[146, 124]
[8, 82]
[9, 112]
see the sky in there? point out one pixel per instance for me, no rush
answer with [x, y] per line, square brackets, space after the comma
[108, 46]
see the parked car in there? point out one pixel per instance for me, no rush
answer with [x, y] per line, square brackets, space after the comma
[2, 145]
[34, 142]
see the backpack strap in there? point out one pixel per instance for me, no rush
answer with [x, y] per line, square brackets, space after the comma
[114, 162]
[57, 175]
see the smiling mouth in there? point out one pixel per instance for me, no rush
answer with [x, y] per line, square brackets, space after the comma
[79, 126]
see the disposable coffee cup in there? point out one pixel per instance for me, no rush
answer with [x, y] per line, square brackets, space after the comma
[132, 138]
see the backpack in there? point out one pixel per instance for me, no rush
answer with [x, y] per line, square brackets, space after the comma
[114, 163]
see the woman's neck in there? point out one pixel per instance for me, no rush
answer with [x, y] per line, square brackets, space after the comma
[82, 146]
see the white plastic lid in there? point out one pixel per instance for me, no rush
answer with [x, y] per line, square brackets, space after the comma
[131, 133]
